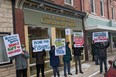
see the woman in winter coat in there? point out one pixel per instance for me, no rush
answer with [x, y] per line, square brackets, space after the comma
[54, 61]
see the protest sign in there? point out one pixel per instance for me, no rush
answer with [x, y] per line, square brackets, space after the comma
[100, 36]
[39, 45]
[12, 44]
[78, 39]
[60, 47]
[67, 31]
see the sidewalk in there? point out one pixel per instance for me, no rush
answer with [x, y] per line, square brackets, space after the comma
[88, 68]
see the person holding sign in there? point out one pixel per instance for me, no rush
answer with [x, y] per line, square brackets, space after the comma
[66, 59]
[21, 63]
[54, 61]
[77, 55]
[40, 62]
[102, 47]
[95, 53]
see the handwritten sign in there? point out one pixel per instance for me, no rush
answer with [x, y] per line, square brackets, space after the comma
[100, 36]
[39, 45]
[78, 39]
[12, 44]
[60, 47]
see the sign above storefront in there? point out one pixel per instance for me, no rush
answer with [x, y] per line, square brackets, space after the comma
[41, 18]
[55, 20]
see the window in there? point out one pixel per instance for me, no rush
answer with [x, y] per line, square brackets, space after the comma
[102, 7]
[68, 2]
[3, 56]
[60, 33]
[36, 33]
[113, 12]
[92, 4]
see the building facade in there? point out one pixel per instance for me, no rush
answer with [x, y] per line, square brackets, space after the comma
[7, 68]
[47, 19]
[101, 16]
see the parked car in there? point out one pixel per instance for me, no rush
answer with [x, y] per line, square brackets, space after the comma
[112, 70]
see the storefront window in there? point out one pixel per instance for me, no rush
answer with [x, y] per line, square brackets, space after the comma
[3, 56]
[60, 33]
[37, 33]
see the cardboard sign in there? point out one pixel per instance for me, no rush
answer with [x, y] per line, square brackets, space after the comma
[100, 36]
[12, 44]
[60, 47]
[39, 45]
[78, 39]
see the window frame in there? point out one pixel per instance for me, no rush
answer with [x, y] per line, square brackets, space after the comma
[92, 4]
[102, 7]
[113, 13]
[10, 61]
[69, 3]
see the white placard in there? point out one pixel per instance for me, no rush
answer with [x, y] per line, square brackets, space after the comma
[67, 31]
[60, 47]
[12, 44]
[39, 45]
[100, 36]
[78, 39]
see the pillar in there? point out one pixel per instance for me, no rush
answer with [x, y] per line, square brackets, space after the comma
[27, 47]
[53, 35]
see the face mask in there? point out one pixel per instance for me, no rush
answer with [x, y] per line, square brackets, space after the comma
[23, 49]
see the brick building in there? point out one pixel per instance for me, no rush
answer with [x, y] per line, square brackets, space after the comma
[101, 16]
[34, 20]
[6, 28]
[47, 19]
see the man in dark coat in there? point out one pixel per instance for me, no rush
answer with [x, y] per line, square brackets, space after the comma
[102, 51]
[77, 55]
[40, 62]
[54, 61]
[95, 53]
[66, 59]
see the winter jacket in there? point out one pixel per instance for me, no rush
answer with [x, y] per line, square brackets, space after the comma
[94, 49]
[68, 56]
[21, 61]
[40, 57]
[77, 50]
[54, 60]
[102, 49]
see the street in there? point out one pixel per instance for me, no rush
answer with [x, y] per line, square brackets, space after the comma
[89, 69]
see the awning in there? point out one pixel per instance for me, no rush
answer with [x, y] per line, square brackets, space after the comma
[100, 27]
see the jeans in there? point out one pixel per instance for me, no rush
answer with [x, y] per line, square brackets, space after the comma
[38, 68]
[77, 58]
[101, 64]
[96, 59]
[56, 71]
[21, 73]
[66, 64]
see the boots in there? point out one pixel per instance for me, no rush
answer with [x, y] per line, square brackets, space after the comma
[76, 72]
